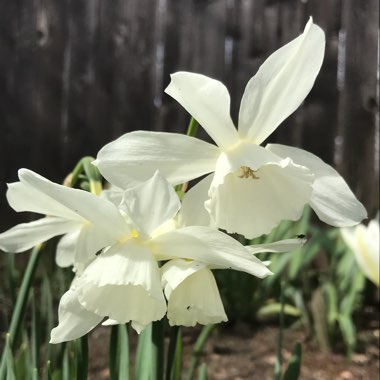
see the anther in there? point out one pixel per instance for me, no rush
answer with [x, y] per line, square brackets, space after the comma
[246, 172]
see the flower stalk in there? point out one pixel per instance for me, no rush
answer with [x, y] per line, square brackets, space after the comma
[21, 303]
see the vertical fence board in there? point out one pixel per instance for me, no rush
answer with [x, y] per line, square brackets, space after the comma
[358, 107]
[75, 74]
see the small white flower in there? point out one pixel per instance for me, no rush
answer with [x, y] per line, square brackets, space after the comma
[192, 294]
[364, 242]
[253, 188]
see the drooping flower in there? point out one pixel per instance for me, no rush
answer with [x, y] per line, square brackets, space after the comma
[252, 188]
[84, 219]
[364, 243]
[123, 283]
[192, 294]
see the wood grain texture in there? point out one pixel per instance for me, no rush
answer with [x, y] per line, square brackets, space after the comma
[75, 74]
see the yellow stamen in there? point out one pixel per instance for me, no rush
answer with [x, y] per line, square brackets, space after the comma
[133, 235]
[246, 172]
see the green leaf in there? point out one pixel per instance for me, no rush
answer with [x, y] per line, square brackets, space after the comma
[21, 361]
[302, 257]
[46, 309]
[66, 374]
[157, 347]
[202, 374]
[331, 303]
[278, 264]
[197, 350]
[294, 365]
[35, 333]
[8, 360]
[81, 356]
[48, 371]
[348, 332]
[21, 302]
[91, 171]
[275, 309]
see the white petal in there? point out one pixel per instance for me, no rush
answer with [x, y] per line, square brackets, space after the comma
[174, 272]
[286, 245]
[66, 247]
[23, 197]
[89, 243]
[208, 101]
[255, 205]
[194, 296]
[74, 320]
[137, 155]
[113, 194]
[123, 284]
[243, 154]
[331, 199]
[209, 246]
[139, 327]
[26, 235]
[364, 242]
[151, 203]
[281, 84]
[193, 211]
[110, 322]
[89, 206]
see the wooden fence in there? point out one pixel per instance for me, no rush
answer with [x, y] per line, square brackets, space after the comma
[75, 74]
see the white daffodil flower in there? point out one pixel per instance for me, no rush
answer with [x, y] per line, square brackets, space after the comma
[253, 188]
[192, 294]
[364, 242]
[85, 219]
[123, 283]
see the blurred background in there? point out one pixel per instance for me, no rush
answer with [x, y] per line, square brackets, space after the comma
[75, 74]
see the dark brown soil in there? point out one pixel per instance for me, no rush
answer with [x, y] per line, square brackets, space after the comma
[247, 352]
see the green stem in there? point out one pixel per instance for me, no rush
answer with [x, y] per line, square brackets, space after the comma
[82, 357]
[113, 353]
[174, 359]
[192, 129]
[157, 369]
[92, 173]
[119, 353]
[197, 351]
[277, 368]
[21, 303]
[78, 169]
